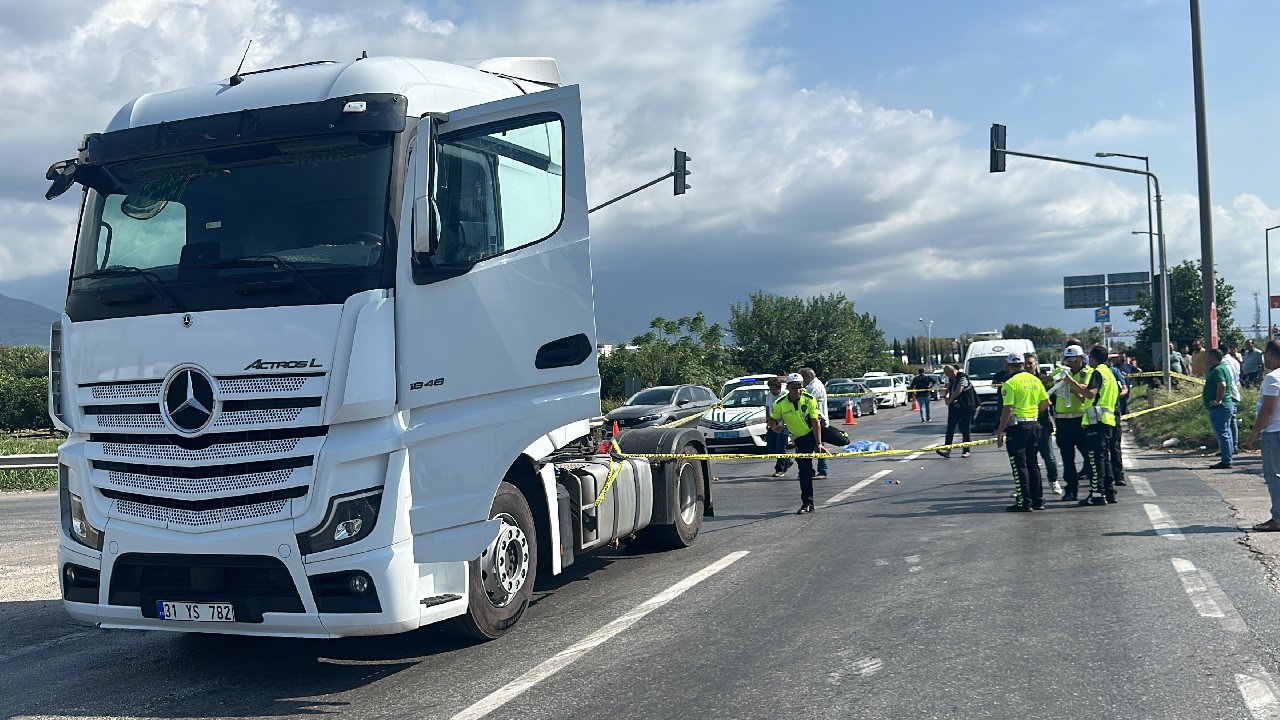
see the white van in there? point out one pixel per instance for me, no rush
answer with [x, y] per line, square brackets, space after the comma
[985, 358]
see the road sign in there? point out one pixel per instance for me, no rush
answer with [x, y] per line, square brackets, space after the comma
[1107, 328]
[1102, 315]
[1275, 301]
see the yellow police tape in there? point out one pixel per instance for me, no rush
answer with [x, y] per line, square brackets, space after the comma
[1177, 376]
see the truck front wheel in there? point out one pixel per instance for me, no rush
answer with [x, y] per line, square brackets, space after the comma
[500, 581]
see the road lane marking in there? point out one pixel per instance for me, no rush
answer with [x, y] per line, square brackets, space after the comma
[566, 657]
[923, 450]
[1162, 523]
[1207, 596]
[1141, 486]
[856, 487]
[1257, 690]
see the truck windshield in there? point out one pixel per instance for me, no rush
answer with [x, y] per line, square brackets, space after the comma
[984, 368]
[293, 222]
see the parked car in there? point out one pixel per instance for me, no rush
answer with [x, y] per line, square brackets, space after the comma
[662, 404]
[862, 399]
[939, 384]
[890, 390]
[758, 380]
[740, 421]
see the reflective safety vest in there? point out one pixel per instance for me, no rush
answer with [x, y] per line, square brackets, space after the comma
[798, 416]
[1023, 392]
[1103, 409]
[1067, 404]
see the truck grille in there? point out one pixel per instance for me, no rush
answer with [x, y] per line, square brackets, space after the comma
[255, 458]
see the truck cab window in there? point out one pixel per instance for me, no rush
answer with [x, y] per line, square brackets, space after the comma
[499, 189]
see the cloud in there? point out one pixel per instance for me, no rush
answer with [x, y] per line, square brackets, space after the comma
[796, 189]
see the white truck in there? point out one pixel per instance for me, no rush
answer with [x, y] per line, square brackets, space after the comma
[327, 362]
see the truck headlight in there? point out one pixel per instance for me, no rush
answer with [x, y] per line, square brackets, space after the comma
[350, 518]
[74, 522]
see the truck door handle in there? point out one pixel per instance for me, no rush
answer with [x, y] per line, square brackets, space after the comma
[565, 352]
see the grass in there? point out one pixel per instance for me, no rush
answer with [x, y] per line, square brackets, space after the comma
[1189, 422]
[28, 443]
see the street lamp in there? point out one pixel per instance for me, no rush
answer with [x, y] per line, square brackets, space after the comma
[1150, 230]
[1270, 335]
[928, 341]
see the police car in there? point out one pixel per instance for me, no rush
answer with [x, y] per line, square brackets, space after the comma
[740, 422]
[758, 380]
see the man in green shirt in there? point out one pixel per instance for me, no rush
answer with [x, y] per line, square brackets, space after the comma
[799, 411]
[1023, 397]
[1221, 406]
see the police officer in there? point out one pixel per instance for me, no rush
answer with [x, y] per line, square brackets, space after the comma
[799, 411]
[1023, 397]
[1067, 411]
[1097, 424]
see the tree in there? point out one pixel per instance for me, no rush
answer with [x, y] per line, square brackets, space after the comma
[23, 388]
[1185, 322]
[673, 352]
[1043, 337]
[824, 332]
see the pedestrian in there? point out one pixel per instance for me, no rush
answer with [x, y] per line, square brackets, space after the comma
[1045, 442]
[799, 412]
[922, 391]
[1022, 396]
[1068, 409]
[1251, 365]
[775, 434]
[1097, 424]
[961, 400]
[1266, 427]
[1220, 406]
[1175, 360]
[1197, 359]
[818, 390]
[1231, 358]
[1116, 436]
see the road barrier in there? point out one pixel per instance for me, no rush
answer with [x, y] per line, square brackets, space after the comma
[29, 462]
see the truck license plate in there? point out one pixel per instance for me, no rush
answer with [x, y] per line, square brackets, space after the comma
[726, 434]
[195, 612]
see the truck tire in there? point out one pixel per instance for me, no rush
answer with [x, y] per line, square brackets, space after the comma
[688, 520]
[500, 581]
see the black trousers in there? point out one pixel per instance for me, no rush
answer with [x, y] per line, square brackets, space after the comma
[1117, 462]
[958, 416]
[806, 443]
[1097, 454]
[1022, 441]
[1070, 439]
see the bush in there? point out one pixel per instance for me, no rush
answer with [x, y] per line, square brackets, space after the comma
[24, 389]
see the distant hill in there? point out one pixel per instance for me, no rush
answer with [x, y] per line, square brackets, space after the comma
[24, 323]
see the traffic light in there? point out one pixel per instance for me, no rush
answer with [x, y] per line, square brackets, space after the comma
[682, 172]
[997, 148]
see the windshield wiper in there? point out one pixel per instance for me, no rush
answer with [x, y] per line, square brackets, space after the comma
[152, 280]
[270, 261]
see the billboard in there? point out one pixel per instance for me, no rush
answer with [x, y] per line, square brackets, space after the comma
[1124, 288]
[1084, 291]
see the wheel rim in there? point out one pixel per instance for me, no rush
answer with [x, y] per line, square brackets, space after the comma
[504, 565]
[687, 491]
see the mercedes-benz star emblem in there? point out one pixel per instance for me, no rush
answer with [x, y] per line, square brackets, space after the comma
[189, 404]
[186, 320]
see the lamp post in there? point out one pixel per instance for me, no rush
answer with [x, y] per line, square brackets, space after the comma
[928, 341]
[1150, 229]
[1270, 335]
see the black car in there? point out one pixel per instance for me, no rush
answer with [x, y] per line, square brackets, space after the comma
[662, 404]
[863, 400]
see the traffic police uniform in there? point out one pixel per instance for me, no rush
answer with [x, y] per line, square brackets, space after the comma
[799, 417]
[1097, 428]
[1068, 410]
[1024, 392]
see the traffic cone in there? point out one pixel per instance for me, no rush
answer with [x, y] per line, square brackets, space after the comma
[615, 428]
[849, 419]
[915, 404]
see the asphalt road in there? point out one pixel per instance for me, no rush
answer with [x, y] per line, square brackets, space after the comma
[918, 598]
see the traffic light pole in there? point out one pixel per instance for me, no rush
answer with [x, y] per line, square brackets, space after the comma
[629, 193]
[679, 170]
[1000, 152]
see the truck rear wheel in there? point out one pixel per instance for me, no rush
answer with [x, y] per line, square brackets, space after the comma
[500, 581]
[689, 499]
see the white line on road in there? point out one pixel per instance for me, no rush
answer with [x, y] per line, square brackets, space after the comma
[1259, 695]
[1141, 486]
[914, 456]
[1162, 523]
[566, 657]
[1207, 595]
[856, 487]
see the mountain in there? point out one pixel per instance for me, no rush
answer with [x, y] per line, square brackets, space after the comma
[24, 323]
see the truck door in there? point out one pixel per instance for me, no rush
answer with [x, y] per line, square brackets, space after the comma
[495, 322]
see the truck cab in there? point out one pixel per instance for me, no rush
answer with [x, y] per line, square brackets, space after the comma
[327, 362]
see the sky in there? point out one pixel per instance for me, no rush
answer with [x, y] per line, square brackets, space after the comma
[836, 146]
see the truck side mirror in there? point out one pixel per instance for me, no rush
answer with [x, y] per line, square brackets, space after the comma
[426, 214]
[62, 174]
[426, 226]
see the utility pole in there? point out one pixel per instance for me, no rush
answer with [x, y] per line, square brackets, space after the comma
[1257, 316]
[1209, 299]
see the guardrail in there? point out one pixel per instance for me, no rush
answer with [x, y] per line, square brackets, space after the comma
[29, 462]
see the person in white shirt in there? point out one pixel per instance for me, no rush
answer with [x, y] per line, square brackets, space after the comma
[1230, 359]
[1266, 427]
[815, 388]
